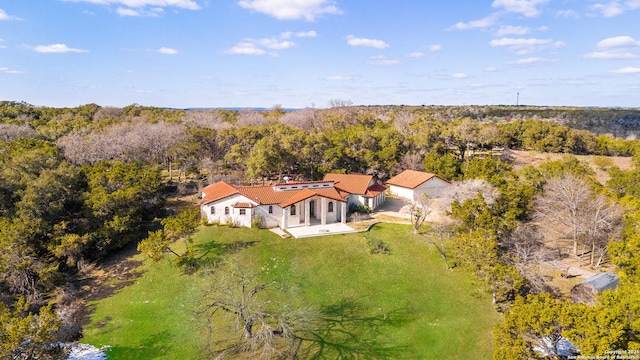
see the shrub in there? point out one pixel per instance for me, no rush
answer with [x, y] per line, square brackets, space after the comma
[257, 222]
[377, 246]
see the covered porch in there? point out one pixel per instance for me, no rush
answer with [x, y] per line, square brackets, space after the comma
[311, 210]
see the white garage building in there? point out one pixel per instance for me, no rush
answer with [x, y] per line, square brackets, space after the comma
[412, 185]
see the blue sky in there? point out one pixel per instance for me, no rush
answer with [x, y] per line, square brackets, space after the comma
[303, 53]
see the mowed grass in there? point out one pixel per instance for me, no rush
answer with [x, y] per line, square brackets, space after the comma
[405, 305]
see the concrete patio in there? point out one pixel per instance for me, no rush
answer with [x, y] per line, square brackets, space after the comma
[301, 231]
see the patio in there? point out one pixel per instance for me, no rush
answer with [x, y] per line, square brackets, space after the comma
[302, 231]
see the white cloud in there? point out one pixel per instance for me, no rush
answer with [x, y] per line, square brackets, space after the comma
[300, 34]
[435, 47]
[355, 41]
[6, 70]
[292, 9]
[619, 42]
[245, 48]
[520, 42]
[614, 54]
[477, 24]
[633, 4]
[627, 70]
[610, 9]
[529, 61]
[303, 34]
[5, 16]
[491, 69]
[512, 30]
[339, 78]
[416, 55]
[383, 61]
[167, 51]
[567, 14]
[57, 48]
[127, 12]
[250, 46]
[460, 76]
[273, 43]
[154, 12]
[614, 48]
[183, 4]
[525, 45]
[528, 8]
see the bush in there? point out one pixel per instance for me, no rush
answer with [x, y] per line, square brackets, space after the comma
[257, 222]
[362, 209]
[377, 246]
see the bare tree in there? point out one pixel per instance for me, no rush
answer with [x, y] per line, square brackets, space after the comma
[527, 253]
[338, 103]
[419, 209]
[462, 190]
[443, 232]
[10, 132]
[265, 327]
[569, 209]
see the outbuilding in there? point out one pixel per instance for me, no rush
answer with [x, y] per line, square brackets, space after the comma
[586, 291]
[412, 185]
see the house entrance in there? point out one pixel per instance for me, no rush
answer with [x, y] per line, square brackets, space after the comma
[312, 208]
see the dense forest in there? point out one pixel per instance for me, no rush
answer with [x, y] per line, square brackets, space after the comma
[78, 183]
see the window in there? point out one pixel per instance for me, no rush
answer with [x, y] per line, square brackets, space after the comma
[330, 206]
[293, 209]
[213, 210]
[270, 209]
[243, 211]
[226, 210]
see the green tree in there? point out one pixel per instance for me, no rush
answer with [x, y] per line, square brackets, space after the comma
[179, 227]
[27, 335]
[121, 197]
[535, 321]
[444, 165]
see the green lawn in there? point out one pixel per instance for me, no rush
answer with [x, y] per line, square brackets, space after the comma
[405, 305]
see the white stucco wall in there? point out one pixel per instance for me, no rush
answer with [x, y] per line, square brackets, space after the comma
[433, 188]
[234, 214]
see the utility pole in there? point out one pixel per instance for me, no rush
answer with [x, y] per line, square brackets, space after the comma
[517, 98]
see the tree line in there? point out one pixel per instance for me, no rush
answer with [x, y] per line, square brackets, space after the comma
[79, 183]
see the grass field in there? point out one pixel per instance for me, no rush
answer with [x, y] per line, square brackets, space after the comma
[405, 305]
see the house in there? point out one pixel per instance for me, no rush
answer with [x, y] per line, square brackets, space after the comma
[412, 185]
[585, 292]
[291, 203]
[360, 190]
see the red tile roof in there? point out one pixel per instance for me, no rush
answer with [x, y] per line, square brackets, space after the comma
[264, 195]
[298, 196]
[217, 191]
[344, 185]
[375, 190]
[411, 179]
[352, 183]
[243, 205]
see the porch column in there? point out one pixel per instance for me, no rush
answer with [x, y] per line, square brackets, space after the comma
[343, 212]
[323, 211]
[307, 214]
[284, 218]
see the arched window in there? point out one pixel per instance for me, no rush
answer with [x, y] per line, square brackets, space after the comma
[330, 206]
[293, 209]
[270, 209]
[226, 210]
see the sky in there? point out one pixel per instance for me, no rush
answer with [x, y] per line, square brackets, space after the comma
[305, 53]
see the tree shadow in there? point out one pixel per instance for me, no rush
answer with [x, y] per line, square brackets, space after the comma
[345, 331]
[209, 254]
[152, 347]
